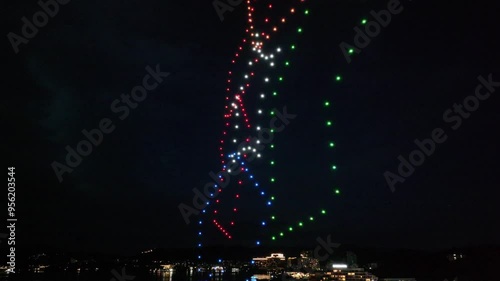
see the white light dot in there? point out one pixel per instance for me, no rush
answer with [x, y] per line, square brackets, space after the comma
[236, 126]
[266, 79]
[260, 111]
[271, 56]
[272, 64]
[258, 128]
[278, 50]
[234, 140]
[262, 96]
[258, 155]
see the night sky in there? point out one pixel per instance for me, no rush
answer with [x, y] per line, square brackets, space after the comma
[124, 196]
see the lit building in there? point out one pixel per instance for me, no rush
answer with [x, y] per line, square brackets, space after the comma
[341, 272]
[275, 260]
[307, 261]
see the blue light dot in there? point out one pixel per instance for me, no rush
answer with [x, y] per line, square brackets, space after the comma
[269, 203]
[258, 242]
[251, 176]
[263, 223]
[199, 257]
[262, 193]
[199, 233]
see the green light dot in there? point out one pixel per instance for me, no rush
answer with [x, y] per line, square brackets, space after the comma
[274, 238]
[327, 103]
[292, 47]
[272, 197]
[328, 123]
[281, 78]
[332, 144]
[290, 228]
[273, 217]
[364, 21]
[299, 30]
[272, 112]
[334, 167]
[272, 130]
[272, 145]
[311, 218]
[306, 12]
[338, 78]
[272, 179]
[281, 234]
[301, 224]
[337, 191]
[287, 63]
[272, 162]
[275, 93]
[351, 51]
[323, 212]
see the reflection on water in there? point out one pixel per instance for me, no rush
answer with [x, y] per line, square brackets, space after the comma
[141, 275]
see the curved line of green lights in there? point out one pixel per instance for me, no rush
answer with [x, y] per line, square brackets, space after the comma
[300, 225]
